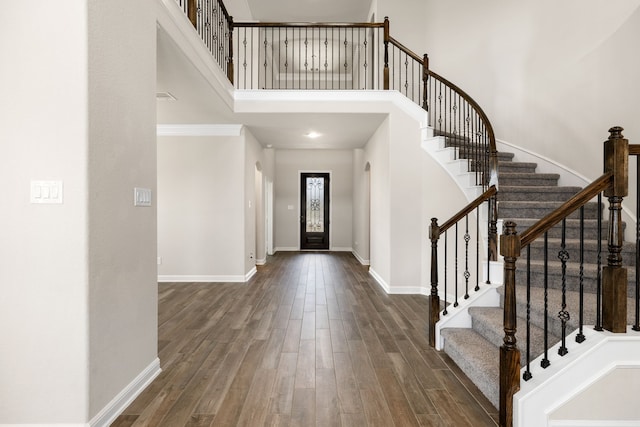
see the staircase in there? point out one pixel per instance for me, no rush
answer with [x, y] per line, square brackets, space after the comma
[524, 197]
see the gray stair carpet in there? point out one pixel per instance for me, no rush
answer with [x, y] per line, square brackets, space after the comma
[526, 196]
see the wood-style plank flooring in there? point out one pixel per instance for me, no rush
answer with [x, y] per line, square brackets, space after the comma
[311, 340]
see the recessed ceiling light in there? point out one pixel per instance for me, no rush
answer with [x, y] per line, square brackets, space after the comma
[165, 96]
[269, 145]
[313, 135]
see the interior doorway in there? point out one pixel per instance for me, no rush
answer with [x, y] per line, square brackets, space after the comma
[314, 210]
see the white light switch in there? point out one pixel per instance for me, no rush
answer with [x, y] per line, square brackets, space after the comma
[290, 207]
[141, 197]
[46, 192]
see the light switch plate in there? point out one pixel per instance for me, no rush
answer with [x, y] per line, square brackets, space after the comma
[46, 192]
[142, 197]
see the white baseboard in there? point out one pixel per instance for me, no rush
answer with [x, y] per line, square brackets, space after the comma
[202, 278]
[250, 274]
[384, 285]
[341, 249]
[594, 423]
[360, 259]
[285, 249]
[109, 413]
[262, 261]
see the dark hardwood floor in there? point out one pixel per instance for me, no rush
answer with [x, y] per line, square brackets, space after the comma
[311, 340]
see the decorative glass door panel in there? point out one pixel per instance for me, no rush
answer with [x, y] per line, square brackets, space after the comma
[314, 211]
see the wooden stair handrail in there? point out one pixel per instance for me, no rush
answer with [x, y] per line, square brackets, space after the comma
[311, 24]
[568, 207]
[468, 209]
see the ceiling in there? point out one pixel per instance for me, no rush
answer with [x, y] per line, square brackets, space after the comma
[310, 10]
[197, 103]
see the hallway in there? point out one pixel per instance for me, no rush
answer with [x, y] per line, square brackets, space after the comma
[309, 340]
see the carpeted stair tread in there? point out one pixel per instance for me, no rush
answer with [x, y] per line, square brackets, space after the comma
[539, 209]
[539, 192]
[476, 357]
[554, 298]
[489, 322]
[572, 275]
[526, 167]
[528, 179]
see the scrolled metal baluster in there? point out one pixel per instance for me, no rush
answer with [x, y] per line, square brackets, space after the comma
[527, 373]
[477, 288]
[455, 303]
[466, 273]
[545, 363]
[563, 314]
[446, 268]
[598, 325]
[580, 336]
[636, 325]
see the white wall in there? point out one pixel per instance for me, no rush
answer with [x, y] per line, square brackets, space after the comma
[79, 277]
[551, 76]
[253, 196]
[288, 165]
[622, 382]
[44, 348]
[121, 156]
[361, 206]
[377, 155]
[201, 207]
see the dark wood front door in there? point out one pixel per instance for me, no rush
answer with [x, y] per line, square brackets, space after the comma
[314, 210]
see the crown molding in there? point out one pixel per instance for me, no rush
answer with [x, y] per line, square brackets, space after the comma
[199, 130]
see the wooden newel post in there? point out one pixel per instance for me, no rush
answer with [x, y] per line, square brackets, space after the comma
[614, 276]
[425, 82]
[386, 54]
[230, 60]
[509, 353]
[192, 12]
[434, 299]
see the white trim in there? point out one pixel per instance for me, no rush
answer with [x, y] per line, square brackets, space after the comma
[385, 287]
[360, 259]
[341, 249]
[201, 278]
[198, 130]
[285, 249]
[262, 261]
[109, 413]
[250, 274]
[173, 21]
[551, 388]
[547, 166]
[594, 423]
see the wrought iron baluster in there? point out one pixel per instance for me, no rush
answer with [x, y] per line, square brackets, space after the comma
[455, 304]
[489, 216]
[545, 360]
[477, 288]
[598, 325]
[636, 325]
[527, 373]
[563, 314]
[466, 273]
[446, 268]
[580, 336]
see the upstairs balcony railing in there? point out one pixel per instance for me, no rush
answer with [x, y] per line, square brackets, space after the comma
[344, 56]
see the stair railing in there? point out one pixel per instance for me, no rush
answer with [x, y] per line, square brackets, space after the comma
[611, 280]
[468, 273]
[215, 27]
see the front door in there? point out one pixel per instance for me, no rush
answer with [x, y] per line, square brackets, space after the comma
[314, 210]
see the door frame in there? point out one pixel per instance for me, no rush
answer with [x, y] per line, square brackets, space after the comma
[299, 179]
